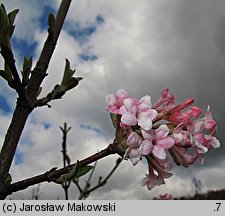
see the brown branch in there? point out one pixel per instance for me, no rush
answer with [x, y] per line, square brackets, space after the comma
[84, 195]
[53, 174]
[39, 72]
[78, 186]
[24, 108]
[66, 159]
[36, 193]
[12, 137]
[7, 54]
[101, 182]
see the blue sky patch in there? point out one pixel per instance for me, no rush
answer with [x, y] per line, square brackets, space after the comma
[47, 125]
[82, 33]
[87, 57]
[18, 158]
[90, 128]
[99, 19]
[44, 18]
[4, 106]
[23, 48]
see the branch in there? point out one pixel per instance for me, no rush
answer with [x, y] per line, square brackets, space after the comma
[84, 195]
[39, 72]
[51, 175]
[68, 82]
[24, 108]
[10, 62]
[101, 183]
[6, 31]
[66, 159]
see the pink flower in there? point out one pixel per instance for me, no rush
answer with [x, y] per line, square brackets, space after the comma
[184, 116]
[138, 112]
[151, 141]
[193, 111]
[201, 141]
[153, 131]
[151, 180]
[201, 135]
[161, 141]
[179, 151]
[209, 122]
[179, 117]
[186, 103]
[180, 136]
[138, 147]
[158, 170]
[132, 152]
[115, 101]
[166, 101]
[181, 156]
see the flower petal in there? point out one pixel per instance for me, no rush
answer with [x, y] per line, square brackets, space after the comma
[133, 139]
[129, 119]
[215, 142]
[161, 132]
[122, 110]
[150, 181]
[147, 134]
[112, 103]
[145, 118]
[209, 124]
[131, 105]
[198, 127]
[111, 99]
[134, 156]
[178, 128]
[144, 103]
[146, 147]
[178, 137]
[159, 152]
[121, 94]
[165, 142]
[200, 148]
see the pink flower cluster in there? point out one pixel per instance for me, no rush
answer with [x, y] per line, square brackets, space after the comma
[154, 131]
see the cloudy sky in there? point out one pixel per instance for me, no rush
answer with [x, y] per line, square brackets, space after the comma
[141, 46]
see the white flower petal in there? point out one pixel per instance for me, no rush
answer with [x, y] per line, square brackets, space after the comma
[146, 147]
[159, 152]
[161, 132]
[215, 142]
[129, 119]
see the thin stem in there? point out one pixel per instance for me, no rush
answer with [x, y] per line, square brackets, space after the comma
[53, 174]
[102, 182]
[10, 61]
[66, 159]
[87, 185]
[39, 72]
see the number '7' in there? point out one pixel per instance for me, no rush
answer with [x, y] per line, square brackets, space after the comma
[219, 204]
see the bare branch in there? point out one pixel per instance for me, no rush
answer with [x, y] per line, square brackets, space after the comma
[83, 193]
[25, 107]
[101, 183]
[39, 72]
[10, 61]
[51, 175]
[66, 159]
[36, 193]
